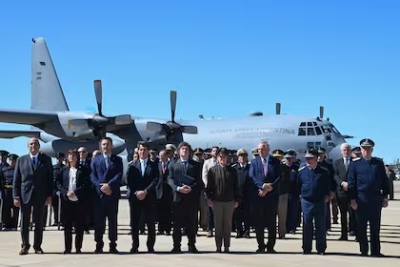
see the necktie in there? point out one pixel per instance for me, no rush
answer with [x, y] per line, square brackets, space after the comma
[184, 162]
[107, 160]
[142, 167]
[265, 167]
[163, 168]
[34, 162]
[346, 164]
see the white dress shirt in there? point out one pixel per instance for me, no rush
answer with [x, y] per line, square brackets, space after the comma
[72, 183]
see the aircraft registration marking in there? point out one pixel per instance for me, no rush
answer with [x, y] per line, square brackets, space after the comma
[254, 132]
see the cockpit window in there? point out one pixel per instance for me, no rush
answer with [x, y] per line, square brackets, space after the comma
[309, 128]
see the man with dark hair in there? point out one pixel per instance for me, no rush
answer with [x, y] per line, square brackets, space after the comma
[106, 174]
[184, 177]
[142, 179]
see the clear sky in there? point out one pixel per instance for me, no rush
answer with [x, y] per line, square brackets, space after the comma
[225, 59]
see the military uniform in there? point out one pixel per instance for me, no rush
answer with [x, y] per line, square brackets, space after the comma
[293, 209]
[368, 186]
[314, 187]
[10, 213]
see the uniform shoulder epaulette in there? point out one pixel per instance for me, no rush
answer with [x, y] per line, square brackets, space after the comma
[302, 168]
[355, 159]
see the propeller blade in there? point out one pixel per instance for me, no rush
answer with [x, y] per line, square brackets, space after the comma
[346, 136]
[123, 119]
[321, 112]
[173, 105]
[154, 126]
[278, 108]
[98, 91]
[189, 129]
[78, 124]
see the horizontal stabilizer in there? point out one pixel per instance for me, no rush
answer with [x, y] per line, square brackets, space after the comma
[9, 134]
[346, 136]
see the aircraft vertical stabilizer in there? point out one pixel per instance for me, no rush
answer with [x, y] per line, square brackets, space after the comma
[46, 91]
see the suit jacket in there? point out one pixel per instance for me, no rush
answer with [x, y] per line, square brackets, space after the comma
[175, 176]
[111, 175]
[273, 175]
[82, 182]
[162, 184]
[340, 175]
[137, 182]
[33, 181]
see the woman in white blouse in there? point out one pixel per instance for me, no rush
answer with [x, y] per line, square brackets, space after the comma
[74, 184]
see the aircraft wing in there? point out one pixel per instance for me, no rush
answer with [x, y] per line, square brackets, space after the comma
[28, 117]
[9, 134]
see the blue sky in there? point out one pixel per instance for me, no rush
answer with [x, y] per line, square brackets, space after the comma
[225, 59]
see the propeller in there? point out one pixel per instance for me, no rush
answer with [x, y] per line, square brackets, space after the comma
[278, 108]
[321, 112]
[170, 130]
[99, 124]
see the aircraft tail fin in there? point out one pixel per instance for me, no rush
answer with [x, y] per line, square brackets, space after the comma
[46, 91]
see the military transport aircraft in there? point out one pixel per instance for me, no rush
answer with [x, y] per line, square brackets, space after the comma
[63, 129]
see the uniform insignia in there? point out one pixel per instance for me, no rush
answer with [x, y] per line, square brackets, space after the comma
[302, 168]
[355, 159]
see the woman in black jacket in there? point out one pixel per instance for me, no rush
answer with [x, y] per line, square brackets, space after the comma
[73, 183]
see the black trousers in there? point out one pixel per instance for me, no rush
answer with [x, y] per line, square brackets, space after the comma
[38, 220]
[184, 214]
[10, 212]
[344, 207]
[143, 211]
[241, 217]
[56, 211]
[164, 211]
[266, 212]
[74, 216]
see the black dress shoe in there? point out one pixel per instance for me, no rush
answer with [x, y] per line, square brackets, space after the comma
[24, 251]
[260, 250]
[98, 251]
[114, 250]
[343, 238]
[67, 252]
[134, 250]
[150, 250]
[193, 249]
[377, 255]
[271, 251]
[39, 251]
[78, 251]
[176, 250]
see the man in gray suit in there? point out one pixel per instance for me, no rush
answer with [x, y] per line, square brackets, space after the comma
[33, 188]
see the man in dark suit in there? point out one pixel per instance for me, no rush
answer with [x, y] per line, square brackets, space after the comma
[106, 174]
[142, 179]
[164, 196]
[265, 171]
[185, 179]
[33, 187]
[341, 167]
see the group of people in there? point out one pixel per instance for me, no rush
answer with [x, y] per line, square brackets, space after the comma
[170, 189]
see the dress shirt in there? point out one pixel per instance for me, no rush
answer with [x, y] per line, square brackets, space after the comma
[72, 183]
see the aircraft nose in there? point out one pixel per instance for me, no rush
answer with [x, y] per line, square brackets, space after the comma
[335, 153]
[118, 146]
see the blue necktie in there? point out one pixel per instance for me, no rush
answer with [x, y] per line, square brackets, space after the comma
[184, 162]
[34, 161]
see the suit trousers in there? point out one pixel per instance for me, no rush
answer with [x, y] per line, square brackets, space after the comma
[38, 220]
[344, 208]
[184, 214]
[282, 214]
[265, 213]
[10, 213]
[106, 208]
[74, 215]
[145, 211]
[223, 214]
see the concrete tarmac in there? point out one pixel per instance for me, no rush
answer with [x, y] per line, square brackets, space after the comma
[338, 253]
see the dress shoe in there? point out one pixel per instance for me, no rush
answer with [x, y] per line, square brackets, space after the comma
[39, 251]
[78, 251]
[219, 250]
[271, 251]
[343, 238]
[134, 250]
[24, 251]
[113, 250]
[98, 251]
[176, 250]
[67, 252]
[150, 250]
[226, 250]
[193, 249]
[260, 250]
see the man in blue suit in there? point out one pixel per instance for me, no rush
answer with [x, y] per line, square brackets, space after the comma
[106, 174]
[265, 171]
